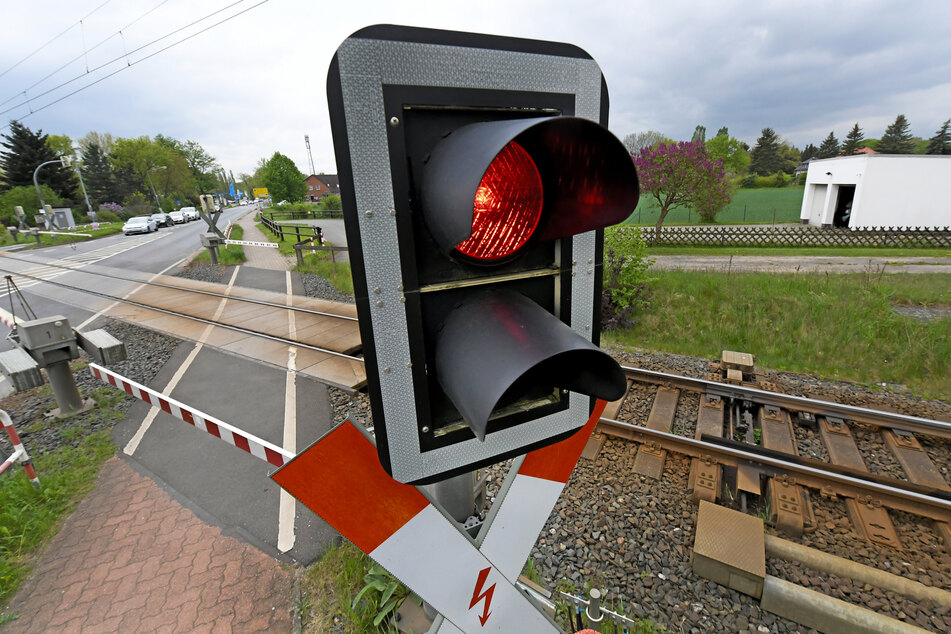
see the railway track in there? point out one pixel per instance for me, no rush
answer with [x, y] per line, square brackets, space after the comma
[756, 447]
[261, 325]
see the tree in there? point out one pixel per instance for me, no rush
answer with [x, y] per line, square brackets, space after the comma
[640, 140]
[897, 138]
[283, 180]
[699, 134]
[134, 158]
[98, 176]
[791, 157]
[682, 174]
[853, 141]
[61, 144]
[810, 151]
[730, 152]
[102, 139]
[765, 158]
[829, 147]
[940, 143]
[723, 131]
[25, 196]
[24, 151]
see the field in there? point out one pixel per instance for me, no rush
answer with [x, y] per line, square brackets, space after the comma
[749, 206]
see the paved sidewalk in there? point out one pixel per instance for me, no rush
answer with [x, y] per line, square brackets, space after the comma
[262, 257]
[131, 559]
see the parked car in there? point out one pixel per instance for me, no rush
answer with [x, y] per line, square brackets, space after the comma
[177, 217]
[161, 219]
[139, 224]
[190, 213]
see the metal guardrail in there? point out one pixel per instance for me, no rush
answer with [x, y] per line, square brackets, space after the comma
[300, 232]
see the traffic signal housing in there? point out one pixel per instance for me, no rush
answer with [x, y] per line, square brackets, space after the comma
[474, 205]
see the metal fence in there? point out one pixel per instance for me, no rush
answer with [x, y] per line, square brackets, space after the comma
[794, 236]
[298, 232]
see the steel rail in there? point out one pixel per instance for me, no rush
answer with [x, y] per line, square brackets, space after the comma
[899, 495]
[249, 300]
[872, 417]
[246, 331]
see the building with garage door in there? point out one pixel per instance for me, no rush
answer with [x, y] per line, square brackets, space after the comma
[878, 190]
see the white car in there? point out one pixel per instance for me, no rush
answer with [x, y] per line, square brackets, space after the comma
[139, 224]
[178, 217]
[190, 213]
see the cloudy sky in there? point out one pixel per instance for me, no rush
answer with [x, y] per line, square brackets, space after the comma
[254, 84]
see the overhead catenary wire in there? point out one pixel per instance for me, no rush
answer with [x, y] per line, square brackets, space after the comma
[132, 63]
[55, 37]
[83, 54]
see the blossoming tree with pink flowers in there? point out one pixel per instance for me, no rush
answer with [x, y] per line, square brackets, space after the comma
[682, 174]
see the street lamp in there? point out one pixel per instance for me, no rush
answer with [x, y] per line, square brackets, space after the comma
[148, 175]
[92, 214]
[64, 161]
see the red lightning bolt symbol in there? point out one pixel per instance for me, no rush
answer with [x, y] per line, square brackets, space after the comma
[487, 595]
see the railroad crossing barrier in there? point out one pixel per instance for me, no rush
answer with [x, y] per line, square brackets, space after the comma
[19, 451]
[341, 479]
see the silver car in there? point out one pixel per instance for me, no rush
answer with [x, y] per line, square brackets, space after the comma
[139, 224]
[190, 213]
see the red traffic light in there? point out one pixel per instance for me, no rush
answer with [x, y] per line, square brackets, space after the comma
[491, 188]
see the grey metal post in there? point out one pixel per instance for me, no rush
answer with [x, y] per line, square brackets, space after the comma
[148, 175]
[594, 607]
[91, 214]
[64, 387]
[214, 254]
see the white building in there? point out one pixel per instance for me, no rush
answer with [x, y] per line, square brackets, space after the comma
[878, 190]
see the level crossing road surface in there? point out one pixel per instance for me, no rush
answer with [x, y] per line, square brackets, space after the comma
[223, 485]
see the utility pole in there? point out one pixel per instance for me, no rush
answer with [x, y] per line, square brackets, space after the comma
[148, 175]
[310, 157]
[64, 161]
[91, 214]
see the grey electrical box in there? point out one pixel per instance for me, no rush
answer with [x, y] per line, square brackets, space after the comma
[48, 340]
[102, 347]
[211, 240]
[22, 369]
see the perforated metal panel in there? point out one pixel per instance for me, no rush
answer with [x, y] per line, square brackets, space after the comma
[365, 66]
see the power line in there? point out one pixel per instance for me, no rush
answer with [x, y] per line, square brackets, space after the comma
[126, 56]
[130, 64]
[84, 53]
[55, 37]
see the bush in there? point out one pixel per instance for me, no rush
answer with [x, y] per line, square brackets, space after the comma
[625, 277]
[104, 215]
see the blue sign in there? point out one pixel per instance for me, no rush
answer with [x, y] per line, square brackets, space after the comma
[231, 189]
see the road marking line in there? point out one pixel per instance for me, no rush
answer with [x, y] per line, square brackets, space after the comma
[126, 296]
[288, 505]
[133, 443]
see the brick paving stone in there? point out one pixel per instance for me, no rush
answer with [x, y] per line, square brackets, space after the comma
[98, 574]
[262, 257]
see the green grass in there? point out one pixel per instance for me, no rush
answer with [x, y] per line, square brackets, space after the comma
[859, 252]
[30, 516]
[835, 326]
[47, 240]
[328, 588]
[231, 255]
[748, 206]
[317, 262]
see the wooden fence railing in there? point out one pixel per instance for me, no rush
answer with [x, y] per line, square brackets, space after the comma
[794, 236]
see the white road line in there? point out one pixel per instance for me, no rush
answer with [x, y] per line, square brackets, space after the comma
[288, 506]
[133, 443]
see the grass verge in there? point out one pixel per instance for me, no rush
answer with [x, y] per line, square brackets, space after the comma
[316, 262]
[854, 252]
[29, 517]
[837, 326]
[328, 588]
[230, 255]
[48, 240]
[748, 206]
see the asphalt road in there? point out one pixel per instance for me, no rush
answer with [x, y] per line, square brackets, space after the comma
[223, 485]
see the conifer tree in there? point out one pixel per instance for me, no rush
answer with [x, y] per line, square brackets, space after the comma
[810, 152]
[940, 143]
[897, 138]
[765, 158]
[853, 141]
[98, 176]
[829, 147]
[24, 150]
